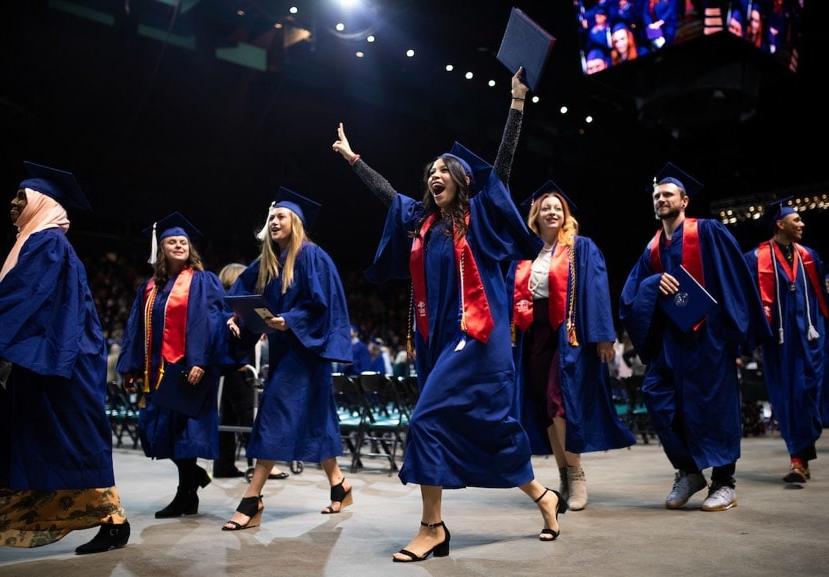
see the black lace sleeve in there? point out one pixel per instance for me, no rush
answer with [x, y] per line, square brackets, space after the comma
[509, 142]
[375, 182]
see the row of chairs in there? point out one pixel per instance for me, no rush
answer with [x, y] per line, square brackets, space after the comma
[122, 410]
[374, 412]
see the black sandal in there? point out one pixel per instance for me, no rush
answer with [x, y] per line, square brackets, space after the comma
[248, 506]
[561, 507]
[339, 495]
[439, 550]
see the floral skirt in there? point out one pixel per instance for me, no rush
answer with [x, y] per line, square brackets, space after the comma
[36, 518]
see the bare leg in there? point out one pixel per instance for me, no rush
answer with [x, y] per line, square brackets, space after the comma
[335, 477]
[426, 537]
[548, 505]
[557, 433]
[257, 483]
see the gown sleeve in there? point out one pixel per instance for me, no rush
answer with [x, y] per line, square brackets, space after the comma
[43, 306]
[320, 319]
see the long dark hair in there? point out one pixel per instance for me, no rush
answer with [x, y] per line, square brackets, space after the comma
[455, 214]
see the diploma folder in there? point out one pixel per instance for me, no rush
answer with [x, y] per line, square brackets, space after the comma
[176, 394]
[253, 310]
[526, 44]
[689, 304]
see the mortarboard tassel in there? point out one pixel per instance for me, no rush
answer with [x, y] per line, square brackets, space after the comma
[153, 246]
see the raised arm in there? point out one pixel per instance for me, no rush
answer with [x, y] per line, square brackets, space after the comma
[512, 130]
[375, 181]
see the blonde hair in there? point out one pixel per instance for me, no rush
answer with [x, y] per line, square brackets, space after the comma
[569, 228]
[229, 274]
[268, 259]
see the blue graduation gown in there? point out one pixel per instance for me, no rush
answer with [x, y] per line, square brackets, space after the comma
[167, 434]
[54, 432]
[794, 370]
[691, 379]
[824, 385]
[592, 422]
[463, 431]
[297, 417]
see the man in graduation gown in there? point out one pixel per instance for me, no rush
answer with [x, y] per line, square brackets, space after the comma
[789, 275]
[55, 440]
[690, 388]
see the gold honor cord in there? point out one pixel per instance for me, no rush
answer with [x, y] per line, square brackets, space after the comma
[571, 305]
[410, 328]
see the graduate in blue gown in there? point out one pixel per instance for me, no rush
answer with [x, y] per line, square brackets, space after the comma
[456, 247]
[176, 325]
[297, 417]
[789, 277]
[824, 385]
[563, 344]
[359, 353]
[55, 440]
[690, 387]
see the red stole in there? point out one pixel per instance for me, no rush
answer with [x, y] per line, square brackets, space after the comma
[558, 280]
[766, 279]
[691, 253]
[173, 341]
[476, 317]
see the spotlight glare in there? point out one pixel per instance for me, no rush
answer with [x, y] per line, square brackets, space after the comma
[410, 53]
[349, 4]
[340, 26]
[469, 75]
[536, 99]
[449, 68]
[293, 9]
[240, 12]
[359, 54]
[563, 110]
[491, 83]
[588, 119]
[278, 25]
[370, 38]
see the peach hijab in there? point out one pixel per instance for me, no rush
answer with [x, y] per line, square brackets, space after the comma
[41, 212]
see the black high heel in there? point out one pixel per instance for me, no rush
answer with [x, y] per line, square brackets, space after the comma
[439, 550]
[248, 506]
[339, 495]
[561, 508]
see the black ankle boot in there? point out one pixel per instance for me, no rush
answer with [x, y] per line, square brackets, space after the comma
[109, 537]
[201, 478]
[186, 502]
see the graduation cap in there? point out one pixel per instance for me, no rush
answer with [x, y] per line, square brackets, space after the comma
[779, 209]
[619, 26]
[57, 184]
[526, 44]
[548, 187]
[174, 224]
[597, 54]
[672, 174]
[305, 208]
[475, 167]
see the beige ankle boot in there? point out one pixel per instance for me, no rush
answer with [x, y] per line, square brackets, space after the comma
[577, 485]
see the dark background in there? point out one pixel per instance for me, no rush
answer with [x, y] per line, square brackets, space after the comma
[149, 127]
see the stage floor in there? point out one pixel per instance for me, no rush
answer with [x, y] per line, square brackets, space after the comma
[625, 531]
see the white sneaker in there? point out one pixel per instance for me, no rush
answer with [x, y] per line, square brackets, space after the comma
[720, 498]
[685, 485]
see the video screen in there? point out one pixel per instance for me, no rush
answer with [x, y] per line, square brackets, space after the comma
[612, 32]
